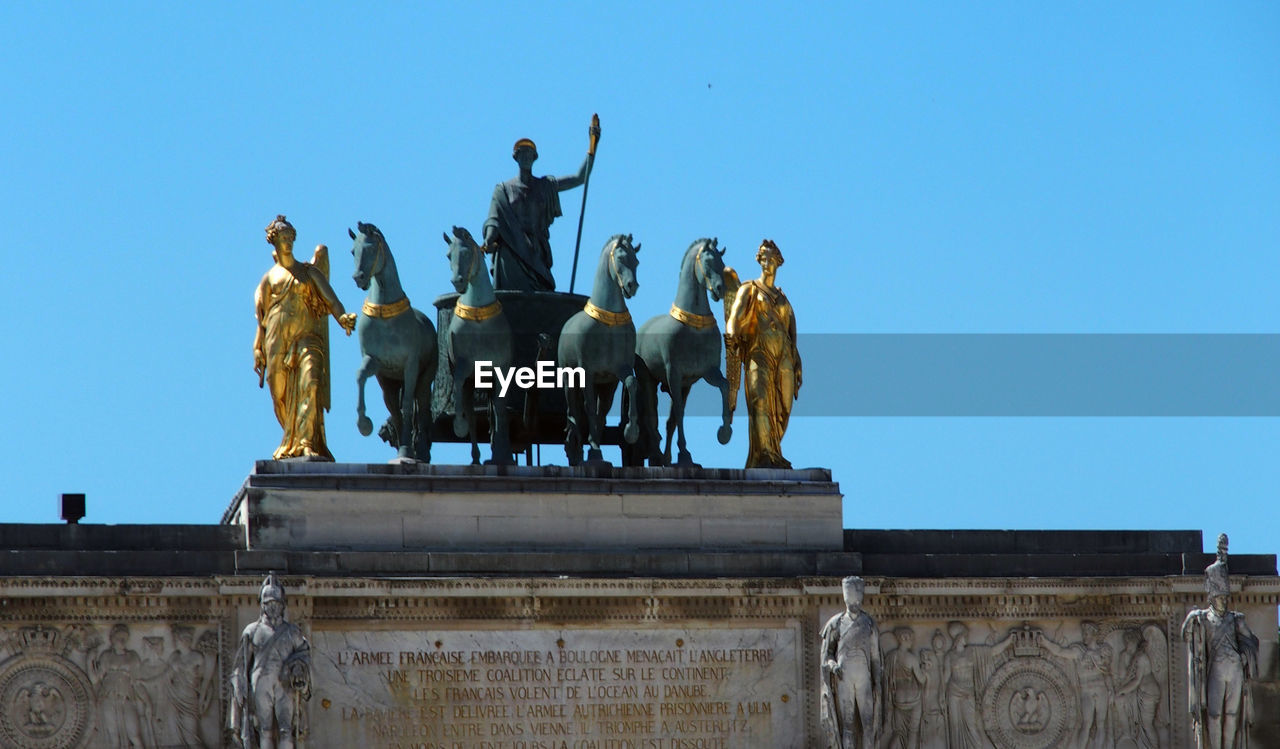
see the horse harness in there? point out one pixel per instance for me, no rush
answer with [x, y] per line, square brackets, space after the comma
[692, 319]
[385, 311]
[611, 319]
[468, 312]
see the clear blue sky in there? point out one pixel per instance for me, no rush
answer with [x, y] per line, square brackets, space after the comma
[1105, 168]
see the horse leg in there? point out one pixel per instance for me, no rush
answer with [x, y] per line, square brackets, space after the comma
[650, 441]
[390, 430]
[574, 419]
[604, 402]
[684, 459]
[368, 366]
[591, 409]
[676, 416]
[631, 433]
[405, 447]
[422, 416]
[464, 412]
[716, 378]
[461, 399]
[499, 439]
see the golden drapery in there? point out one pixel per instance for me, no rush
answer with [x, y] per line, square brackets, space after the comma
[765, 337]
[294, 318]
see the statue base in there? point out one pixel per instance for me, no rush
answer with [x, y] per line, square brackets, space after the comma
[418, 507]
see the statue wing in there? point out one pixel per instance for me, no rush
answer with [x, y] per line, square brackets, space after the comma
[321, 262]
[1157, 649]
[732, 358]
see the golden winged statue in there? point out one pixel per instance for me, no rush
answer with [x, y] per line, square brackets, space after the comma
[760, 337]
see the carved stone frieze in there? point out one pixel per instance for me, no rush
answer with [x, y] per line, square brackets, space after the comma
[1032, 685]
[45, 696]
[110, 684]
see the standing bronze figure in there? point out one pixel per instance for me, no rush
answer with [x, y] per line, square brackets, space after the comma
[517, 230]
[760, 332]
[291, 346]
[1222, 657]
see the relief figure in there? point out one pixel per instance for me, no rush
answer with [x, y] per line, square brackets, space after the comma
[192, 686]
[1092, 658]
[1140, 686]
[153, 680]
[933, 702]
[121, 703]
[965, 671]
[905, 678]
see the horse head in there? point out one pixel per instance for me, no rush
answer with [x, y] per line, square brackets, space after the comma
[370, 253]
[623, 262]
[708, 266]
[464, 257]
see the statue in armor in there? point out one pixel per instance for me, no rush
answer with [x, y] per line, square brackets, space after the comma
[1222, 656]
[852, 700]
[271, 678]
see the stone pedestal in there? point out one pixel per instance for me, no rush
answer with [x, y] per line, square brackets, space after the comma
[328, 506]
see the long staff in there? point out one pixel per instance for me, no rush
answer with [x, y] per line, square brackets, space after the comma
[594, 134]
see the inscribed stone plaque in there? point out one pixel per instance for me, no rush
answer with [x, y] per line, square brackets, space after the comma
[558, 688]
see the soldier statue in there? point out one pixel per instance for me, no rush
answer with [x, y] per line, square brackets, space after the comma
[852, 674]
[271, 678]
[1222, 657]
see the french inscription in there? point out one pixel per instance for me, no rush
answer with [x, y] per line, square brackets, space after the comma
[560, 689]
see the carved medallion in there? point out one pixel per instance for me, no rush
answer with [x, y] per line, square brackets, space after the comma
[44, 703]
[1029, 704]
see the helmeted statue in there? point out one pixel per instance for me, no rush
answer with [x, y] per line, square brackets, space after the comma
[517, 230]
[291, 346]
[1222, 657]
[271, 678]
[852, 701]
[760, 338]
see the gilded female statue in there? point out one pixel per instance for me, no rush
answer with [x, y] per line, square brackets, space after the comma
[291, 348]
[760, 332]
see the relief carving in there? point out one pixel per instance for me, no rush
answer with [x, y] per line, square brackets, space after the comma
[966, 670]
[122, 702]
[193, 685]
[905, 677]
[1142, 682]
[1092, 657]
[1030, 701]
[933, 718]
[1028, 690]
[64, 687]
[45, 697]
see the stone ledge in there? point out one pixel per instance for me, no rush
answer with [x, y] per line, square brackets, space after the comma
[1022, 541]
